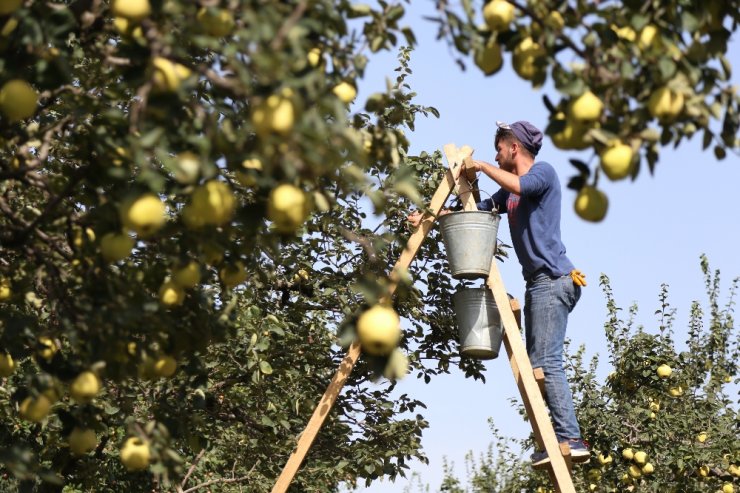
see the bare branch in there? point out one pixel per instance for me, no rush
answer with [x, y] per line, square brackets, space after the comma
[222, 480]
[300, 9]
[190, 471]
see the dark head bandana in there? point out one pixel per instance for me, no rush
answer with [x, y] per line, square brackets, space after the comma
[529, 135]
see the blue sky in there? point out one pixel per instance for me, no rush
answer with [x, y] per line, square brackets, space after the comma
[654, 232]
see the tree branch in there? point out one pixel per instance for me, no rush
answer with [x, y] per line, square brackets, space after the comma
[300, 9]
[222, 480]
[190, 471]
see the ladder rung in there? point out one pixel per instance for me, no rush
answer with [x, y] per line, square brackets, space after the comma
[539, 375]
[565, 451]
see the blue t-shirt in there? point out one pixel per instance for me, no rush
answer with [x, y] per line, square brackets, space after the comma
[534, 221]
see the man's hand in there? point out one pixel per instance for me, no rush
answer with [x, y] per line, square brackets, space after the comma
[472, 165]
[416, 217]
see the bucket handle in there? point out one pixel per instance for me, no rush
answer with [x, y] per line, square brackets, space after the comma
[493, 211]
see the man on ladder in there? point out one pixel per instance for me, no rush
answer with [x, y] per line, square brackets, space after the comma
[530, 194]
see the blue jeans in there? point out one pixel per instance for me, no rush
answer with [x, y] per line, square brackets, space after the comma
[547, 303]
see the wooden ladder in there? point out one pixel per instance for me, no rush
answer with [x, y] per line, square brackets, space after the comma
[530, 381]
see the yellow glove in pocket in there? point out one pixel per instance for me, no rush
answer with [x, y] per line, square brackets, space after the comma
[579, 278]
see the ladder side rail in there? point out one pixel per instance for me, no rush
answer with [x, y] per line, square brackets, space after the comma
[344, 370]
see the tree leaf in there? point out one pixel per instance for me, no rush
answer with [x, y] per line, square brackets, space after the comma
[265, 367]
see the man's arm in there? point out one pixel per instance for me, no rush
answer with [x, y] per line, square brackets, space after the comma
[507, 181]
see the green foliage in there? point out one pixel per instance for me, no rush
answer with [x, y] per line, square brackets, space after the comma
[209, 107]
[622, 52]
[635, 409]
[252, 359]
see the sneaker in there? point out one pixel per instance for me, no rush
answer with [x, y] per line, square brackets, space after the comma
[540, 459]
[579, 453]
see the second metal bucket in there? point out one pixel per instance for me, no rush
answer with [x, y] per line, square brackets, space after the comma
[470, 241]
[478, 323]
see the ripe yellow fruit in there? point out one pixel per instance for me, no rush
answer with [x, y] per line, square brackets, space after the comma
[288, 208]
[498, 14]
[116, 246]
[555, 21]
[655, 406]
[82, 441]
[648, 468]
[7, 365]
[247, 176]
[649, 38]
[171, 294]
[379, 330]
[7, 29]
[524, 59]
[626, 32]
[616, 160]
[187, 167]
[47, 348]
[85, 387]
[572, 136]
[301, 276]
[18, 100]
[165, 366]
[134, 10]
[167, 75]
[664, 371]
[640, 457]
[676, 391]
[665, 104]
[702, 437]
[489, 58]
[345, 91]
[9, 6]
[591, 204]
[211, 203]
[233, 275]
[397, 366]
[34, 409]
[187, 276]
[728, 488]
[704, 471]
[634, 471]
[216, 22]
[129, 30]
[314, 56]
[78, 238]
[275, 114]
[605, 459]
[144, 215]
[121, 156]
[135, 454]
[587, 107]
[123, 25]
[5, 291]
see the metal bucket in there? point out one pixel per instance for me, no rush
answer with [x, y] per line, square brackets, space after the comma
[478, 323]
[470, 241]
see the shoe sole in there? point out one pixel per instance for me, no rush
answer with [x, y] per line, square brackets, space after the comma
[580, 459]
[575, 459]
